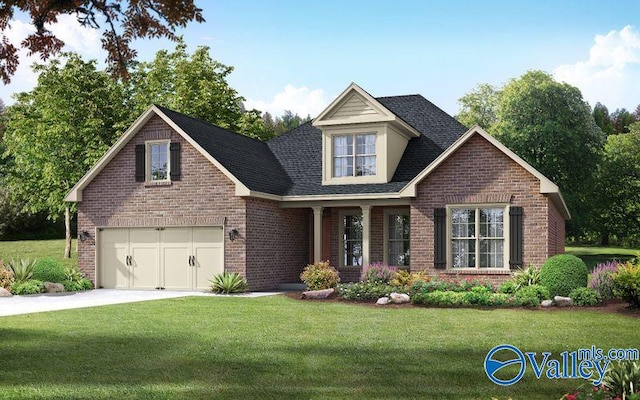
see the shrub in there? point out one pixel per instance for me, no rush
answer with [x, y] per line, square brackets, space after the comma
[541, 292]
[477, 296]
[22, 269]
[77, 285]
[623, 378]
[405, 279]
[6, 277]
[320, 276]
[602, 279]
[583, 296]
[526, 277]
[72, 273]
[527, 298]
[229, 282]
[364, 290]
[378, 273]
[32, 286]
[627, 282]
[563, 273]
[49, 270]
[508, 287]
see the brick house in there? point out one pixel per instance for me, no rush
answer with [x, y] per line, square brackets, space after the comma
[391, 179]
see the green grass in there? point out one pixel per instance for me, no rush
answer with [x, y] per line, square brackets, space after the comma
[34, 249]
[592, 255]
[280, 348]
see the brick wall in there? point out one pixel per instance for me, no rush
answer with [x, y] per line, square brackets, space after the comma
[556, 231]
[204, 196]
[277, 244]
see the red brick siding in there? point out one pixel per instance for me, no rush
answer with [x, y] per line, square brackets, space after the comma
[277, 242]
[203, 196]
[556, 230]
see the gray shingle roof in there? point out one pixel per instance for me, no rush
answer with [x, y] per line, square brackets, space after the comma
[291, 164]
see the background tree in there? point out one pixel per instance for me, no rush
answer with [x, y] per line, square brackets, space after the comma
[56, 132]
[479, 107]
[548, 124]
[125, 21]
[284, 123]
[621, 119]
[603, 119]
[195, 85]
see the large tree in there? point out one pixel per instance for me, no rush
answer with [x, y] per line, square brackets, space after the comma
[195, 85]
[56, 132]
[122, 22]
[479, 107]
[284, 123]
[549, 124]
[603, 119]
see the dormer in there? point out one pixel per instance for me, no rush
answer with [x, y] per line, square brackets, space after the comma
[362, 140]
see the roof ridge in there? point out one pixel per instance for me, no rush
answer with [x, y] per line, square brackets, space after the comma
[401, 95]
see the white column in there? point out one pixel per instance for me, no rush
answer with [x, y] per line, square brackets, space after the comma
[366, 228]
[317, 234]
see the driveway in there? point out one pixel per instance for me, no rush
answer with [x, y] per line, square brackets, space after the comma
[100, 297]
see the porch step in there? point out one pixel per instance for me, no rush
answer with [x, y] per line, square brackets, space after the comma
[292, 286]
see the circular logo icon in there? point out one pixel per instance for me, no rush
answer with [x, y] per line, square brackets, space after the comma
[491, 365]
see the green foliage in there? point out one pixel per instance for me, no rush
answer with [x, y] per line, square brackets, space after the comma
[539, 291]
[364, 290]
[320, 276]
[229, 282]
[49, 270]
[77, 285]
[583, 296]
[508, 287]
[623, 378]
[479, 107]
[72, 273]
[285, 123]
[563, 273]
[22, 269]
[526, 277]
[6, 277]
[379, 273]
[627, 282]
[404, 279]
[32, 286]
[451, 285]
[479, 296]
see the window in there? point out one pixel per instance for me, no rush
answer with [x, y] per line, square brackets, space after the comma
[477, 237]
[398, 233]
[362, 155]
[158, 161]
[352, 240]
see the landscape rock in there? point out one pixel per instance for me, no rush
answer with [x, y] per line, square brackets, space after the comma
[382, 301]
[546, 303]
[318, 294]
[400, 298]
[5, 293]
[51, 287]
[563, 301]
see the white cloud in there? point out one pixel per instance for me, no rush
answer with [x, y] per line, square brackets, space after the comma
[301, 101]
[77, 38]
[611, 75]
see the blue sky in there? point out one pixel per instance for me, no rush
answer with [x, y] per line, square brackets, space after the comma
[300, 55]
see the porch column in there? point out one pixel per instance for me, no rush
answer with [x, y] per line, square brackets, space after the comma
[317, 234]
[366, 233]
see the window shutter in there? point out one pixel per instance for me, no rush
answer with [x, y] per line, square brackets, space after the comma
[140, 162]
[440, 237]
[515, 237]
[174, 160]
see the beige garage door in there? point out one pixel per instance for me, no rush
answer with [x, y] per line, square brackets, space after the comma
[154, 258]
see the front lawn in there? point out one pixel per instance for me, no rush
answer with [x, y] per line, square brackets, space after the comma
[592, 255]
[277, 347]
[34, 249]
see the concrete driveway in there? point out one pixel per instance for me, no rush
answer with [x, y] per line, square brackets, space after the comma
[100, 297]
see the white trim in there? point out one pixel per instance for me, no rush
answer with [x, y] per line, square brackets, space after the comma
[147, 160]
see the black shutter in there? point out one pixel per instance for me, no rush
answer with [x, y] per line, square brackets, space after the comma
[440, 237]
[140, 163]
[515, 237]
[174, 160]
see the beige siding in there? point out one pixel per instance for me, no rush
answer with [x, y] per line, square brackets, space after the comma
[355, 106]
[396, 144]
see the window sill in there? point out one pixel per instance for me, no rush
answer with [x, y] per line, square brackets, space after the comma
[486, 271]
[157, 183]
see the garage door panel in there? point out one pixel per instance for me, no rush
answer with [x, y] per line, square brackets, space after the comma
[144, 253]
[113, 271]
[208, 264]
[175, 245]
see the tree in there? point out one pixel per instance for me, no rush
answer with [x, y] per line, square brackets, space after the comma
[621, 119]
[603, 119]
[549, 125]
[125, 22]
[285, 123]
[195, 85]
[479, 107]
[56, 132]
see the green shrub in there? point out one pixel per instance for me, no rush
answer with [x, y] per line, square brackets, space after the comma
[623, 378]
[627, 282]
[6, 277]
[404, 279]
[77, 285]
[527, 298]
[32, 286]
[563, 273]
[72, 273]
[229, 282]
[364, 290]
[479, 295]
[49, 270]
[585, 297]
[526, 277]
[541, 292]
[320, 276]
[22, 269]
[508, 287]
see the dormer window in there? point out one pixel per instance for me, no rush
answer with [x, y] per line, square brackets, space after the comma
[362, 155]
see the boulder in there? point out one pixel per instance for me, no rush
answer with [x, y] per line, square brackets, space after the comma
[50, 287]
[546, 303]
[563, 301]
[400, 298]
[382, 301]
[317, 294]
[4, 292]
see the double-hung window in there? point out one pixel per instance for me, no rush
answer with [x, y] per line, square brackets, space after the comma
[352, 240]
[398, 233]
[354, 155]
[477, 237]
[158, 161]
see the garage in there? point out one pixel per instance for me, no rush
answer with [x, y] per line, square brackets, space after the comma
[182, 258]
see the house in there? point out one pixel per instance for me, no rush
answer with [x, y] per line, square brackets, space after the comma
[390, 179]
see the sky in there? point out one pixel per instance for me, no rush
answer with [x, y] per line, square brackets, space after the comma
[300, 55]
